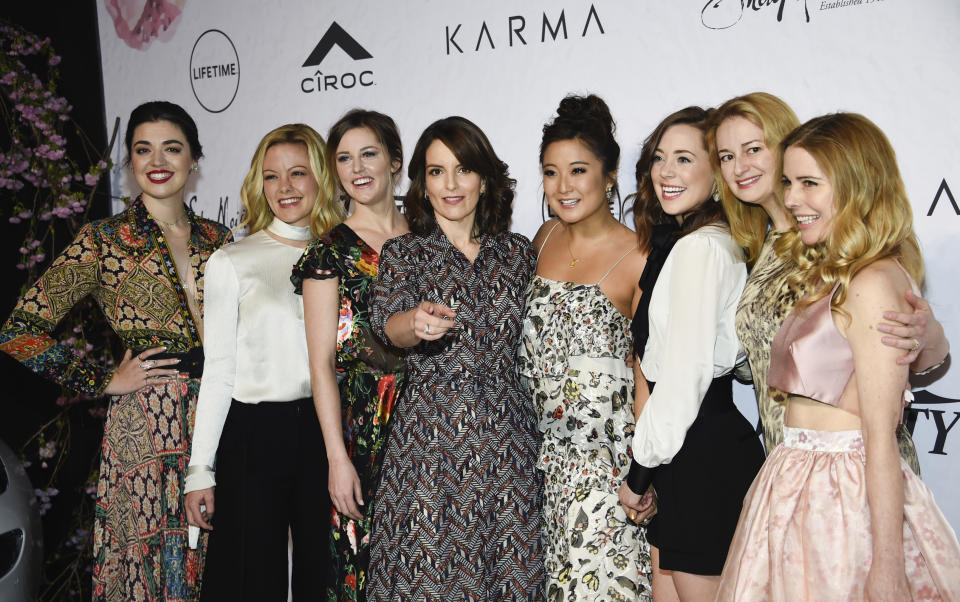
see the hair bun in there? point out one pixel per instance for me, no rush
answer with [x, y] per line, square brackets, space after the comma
[586, 108]
[587, 119]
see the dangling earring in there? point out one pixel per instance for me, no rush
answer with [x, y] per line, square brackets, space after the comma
[609, 192]
[716, 193]
[195, 168]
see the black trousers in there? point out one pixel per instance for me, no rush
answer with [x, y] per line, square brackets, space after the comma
[271, 477]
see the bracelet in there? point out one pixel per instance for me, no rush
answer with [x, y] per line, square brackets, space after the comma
[933, 367]
[200, 468]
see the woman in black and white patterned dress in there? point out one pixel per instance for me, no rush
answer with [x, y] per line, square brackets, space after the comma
[458, 508]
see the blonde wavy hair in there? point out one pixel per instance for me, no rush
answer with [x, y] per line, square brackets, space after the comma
[873, 218]
[326, 212]
[749, 222]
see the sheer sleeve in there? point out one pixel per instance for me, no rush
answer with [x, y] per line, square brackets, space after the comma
[27, 335]
[319, 261]
[220, 366]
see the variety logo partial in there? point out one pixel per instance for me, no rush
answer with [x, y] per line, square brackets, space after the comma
[941, 411]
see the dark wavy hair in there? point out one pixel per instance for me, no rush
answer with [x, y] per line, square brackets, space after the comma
[384, 130]
[471, 147]
[161, 110]
[647, 211]
[587, 119]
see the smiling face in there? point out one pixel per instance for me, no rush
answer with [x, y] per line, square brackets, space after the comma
[364, 167]
[453, 190]
[289, 184]
[681, 173]
[747, 165]
[808, 195]
[573, 181]
[160, 159]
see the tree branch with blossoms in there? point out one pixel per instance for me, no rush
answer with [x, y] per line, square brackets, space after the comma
[49, 194]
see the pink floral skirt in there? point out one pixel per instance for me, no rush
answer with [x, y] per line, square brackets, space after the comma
[804, 533]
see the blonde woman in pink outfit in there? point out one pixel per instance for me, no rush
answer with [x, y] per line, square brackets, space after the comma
[835, 513]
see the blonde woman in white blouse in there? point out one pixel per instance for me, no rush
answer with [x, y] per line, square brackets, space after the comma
[690, 442]
[255, 412]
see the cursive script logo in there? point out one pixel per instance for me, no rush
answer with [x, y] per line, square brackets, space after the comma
[723, 14]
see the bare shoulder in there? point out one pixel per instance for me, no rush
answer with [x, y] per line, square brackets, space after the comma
[633, 263]
[543, 233]
[875, 289]
[882, 281]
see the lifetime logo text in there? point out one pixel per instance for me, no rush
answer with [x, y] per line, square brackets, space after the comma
[211, 71]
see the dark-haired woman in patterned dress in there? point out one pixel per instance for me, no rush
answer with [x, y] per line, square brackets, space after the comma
[458, 508]
[145, 269]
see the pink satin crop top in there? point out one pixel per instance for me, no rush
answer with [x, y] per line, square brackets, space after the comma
[809, 357]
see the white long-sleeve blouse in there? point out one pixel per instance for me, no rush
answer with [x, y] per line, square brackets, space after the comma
[692, 338]
[255, 346]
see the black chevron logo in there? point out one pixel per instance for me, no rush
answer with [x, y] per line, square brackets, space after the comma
[336, 36]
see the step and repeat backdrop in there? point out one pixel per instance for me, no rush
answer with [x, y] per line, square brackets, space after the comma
[243, 67]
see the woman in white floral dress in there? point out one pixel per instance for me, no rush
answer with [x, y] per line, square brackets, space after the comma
[576, 338]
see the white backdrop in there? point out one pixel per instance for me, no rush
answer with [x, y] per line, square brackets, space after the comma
[242, 67]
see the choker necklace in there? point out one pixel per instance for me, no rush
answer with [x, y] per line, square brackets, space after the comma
[285, 230]
[180, 221]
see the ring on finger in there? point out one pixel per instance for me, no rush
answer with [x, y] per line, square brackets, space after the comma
[426, 329]
[916, 345]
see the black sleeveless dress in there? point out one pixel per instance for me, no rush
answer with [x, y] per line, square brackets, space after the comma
[700, 492]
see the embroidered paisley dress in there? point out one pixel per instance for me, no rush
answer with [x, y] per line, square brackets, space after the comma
[140, 524]
[370, 376]
[572, 360]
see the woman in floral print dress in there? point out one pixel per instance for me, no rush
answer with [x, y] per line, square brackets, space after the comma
[145, 269]
[336, 276]
[576, 338]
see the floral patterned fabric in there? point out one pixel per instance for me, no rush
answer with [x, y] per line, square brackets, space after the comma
[370, 377]
[140, 528]
[572, 359]
[804, 533]
[764, 305]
